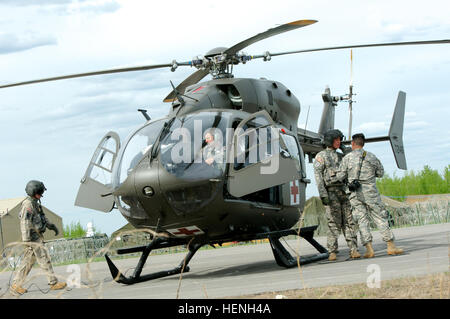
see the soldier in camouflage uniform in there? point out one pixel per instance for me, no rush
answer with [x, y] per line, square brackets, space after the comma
[213, 152]
[33, 224]
[333, 195]
[363, 166]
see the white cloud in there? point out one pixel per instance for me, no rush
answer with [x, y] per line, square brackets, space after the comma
[417, 124]
[35, 2]
[10, 42]
[373, 127]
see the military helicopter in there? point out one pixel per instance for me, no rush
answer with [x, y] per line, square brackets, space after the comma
[194, 202]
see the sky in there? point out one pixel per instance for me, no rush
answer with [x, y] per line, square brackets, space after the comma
[49, 131]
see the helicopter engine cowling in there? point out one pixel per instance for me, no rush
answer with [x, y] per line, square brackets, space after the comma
[248, 95]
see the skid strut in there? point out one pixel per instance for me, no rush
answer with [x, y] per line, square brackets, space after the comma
[285, 259]
[137, 277]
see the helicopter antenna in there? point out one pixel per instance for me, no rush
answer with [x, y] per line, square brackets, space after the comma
[350, 97]
[307, 116]
[179, 95]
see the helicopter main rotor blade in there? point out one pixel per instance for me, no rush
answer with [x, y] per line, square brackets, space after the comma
[191, 79]
[357, 46]
[119, 70]
[200, 74]
[269, 33]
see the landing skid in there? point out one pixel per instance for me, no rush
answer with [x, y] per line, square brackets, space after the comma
[282, 256]
[136, 277]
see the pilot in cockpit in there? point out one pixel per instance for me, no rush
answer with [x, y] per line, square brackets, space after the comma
[213, 151]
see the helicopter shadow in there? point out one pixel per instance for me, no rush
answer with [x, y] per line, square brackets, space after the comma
[253, 268]
[238, 270]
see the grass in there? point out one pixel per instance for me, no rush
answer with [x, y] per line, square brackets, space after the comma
[433, 286]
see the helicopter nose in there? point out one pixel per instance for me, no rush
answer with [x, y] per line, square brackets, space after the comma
[138, 196]
[147, 188]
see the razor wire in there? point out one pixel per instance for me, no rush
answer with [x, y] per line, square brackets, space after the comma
[403, 215]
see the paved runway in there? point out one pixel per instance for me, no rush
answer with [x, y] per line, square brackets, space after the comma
[250, 269]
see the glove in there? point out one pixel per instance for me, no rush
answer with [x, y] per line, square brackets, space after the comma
[325, 201]
[54, 228]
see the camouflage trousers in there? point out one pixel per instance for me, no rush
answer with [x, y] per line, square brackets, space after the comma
[366, 207]
[339, 217]
[34, 251]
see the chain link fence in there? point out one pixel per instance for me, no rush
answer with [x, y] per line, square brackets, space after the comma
[430, 210]
[75, 250]
[418, 214]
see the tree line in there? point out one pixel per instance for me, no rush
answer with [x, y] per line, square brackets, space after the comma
[425, 182]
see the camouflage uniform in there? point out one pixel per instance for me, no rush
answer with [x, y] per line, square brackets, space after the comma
[366, 201]
[32, 225]
[338, 211]
[216, 153]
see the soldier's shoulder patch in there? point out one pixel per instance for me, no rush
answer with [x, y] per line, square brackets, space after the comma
[318, 162]
[27, 204]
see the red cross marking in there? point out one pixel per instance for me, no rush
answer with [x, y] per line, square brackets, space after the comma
[185, 231]
[294, 191]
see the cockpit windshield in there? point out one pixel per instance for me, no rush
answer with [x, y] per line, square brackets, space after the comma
[195, 146]
[137, 145]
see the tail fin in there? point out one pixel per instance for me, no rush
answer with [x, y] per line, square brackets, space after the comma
[395, 135]
[327, 119]
[396, 131]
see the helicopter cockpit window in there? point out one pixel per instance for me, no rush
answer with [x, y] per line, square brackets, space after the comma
[138, 144]
[292, 148]
[195, 147]
[103, 160]
[254, 143]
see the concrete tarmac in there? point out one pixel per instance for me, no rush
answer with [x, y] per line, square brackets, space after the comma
[250, 269]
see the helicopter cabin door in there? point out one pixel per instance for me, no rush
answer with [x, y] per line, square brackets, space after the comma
[259, 158]
[96, 185]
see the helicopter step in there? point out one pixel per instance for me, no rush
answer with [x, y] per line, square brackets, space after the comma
[282, 256]
[285, 259]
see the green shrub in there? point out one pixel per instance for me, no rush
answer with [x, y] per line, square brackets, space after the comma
[76, 230]
[424, 182]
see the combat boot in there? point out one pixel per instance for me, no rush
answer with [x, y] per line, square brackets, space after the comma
[369, 251]
[58, 286]
[354, 253]
[332, 257]
[392, 250]
[18, 289]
